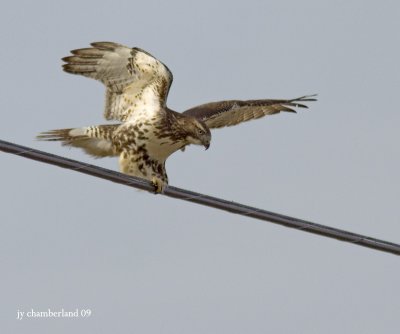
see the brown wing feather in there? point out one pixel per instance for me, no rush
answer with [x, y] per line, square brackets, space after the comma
[232, 112]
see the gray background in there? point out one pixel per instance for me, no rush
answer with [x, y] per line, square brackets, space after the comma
[150, 264]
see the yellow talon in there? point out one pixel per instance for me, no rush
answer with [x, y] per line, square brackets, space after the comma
[158, 184]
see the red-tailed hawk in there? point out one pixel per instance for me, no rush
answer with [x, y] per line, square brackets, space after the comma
[148, 132]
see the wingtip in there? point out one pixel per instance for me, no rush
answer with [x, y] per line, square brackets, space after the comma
[308, 98]
[67, 68]
[105, 45]
[84, 69]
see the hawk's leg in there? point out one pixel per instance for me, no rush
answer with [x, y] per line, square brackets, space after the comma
[159, 185]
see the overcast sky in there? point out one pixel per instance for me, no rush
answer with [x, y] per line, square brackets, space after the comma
[150, 264]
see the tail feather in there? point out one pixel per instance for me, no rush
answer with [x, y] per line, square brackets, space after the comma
[94, 140]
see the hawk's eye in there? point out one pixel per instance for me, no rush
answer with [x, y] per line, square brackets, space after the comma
[201, 132]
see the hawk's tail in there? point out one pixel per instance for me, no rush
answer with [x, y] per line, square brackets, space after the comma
[94, 140]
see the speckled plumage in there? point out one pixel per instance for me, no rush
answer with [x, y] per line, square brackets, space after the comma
[148, 132]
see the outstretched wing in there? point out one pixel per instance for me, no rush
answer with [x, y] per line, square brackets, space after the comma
[228, 113]
[134, 78]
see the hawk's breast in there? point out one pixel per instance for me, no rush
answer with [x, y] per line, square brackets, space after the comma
[149, 130]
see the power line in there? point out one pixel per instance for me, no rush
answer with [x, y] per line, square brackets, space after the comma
[201, 199]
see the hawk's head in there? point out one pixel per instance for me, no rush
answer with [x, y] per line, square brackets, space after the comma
[197, 132]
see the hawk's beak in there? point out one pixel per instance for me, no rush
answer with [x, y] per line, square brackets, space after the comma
[206, 140]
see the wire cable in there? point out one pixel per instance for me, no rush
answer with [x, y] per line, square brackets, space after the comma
[201, 199]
